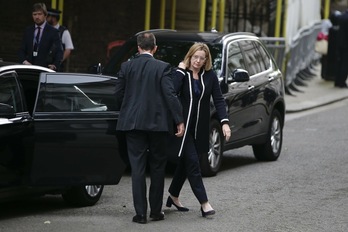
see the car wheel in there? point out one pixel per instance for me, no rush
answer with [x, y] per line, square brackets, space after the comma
[210, 162]
[270, 150]
[80, 196]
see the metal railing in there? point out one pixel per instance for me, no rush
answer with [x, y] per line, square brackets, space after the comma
[276, 46]
[301, 53]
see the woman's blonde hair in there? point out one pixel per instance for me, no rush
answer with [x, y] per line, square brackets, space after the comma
[199, 47]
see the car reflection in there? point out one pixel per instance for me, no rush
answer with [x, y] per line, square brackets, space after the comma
[69, 99]
[88, 104]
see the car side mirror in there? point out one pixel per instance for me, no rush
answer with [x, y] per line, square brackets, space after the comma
[7, 111]
[239, 75]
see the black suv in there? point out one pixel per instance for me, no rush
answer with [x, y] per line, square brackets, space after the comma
[250, 81]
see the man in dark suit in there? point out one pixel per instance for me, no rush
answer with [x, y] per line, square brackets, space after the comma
[40, 40]
[149, 109]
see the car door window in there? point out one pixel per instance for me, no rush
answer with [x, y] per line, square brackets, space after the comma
[77, 93]
[265, 60]
[251, 57]
[235, 58]
[10, 93]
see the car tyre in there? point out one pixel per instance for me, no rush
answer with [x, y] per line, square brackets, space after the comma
[270, 150]
[210, 162]
[81, 196]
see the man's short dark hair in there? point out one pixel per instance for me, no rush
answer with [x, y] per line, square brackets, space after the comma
[146, 41]
[40, 7]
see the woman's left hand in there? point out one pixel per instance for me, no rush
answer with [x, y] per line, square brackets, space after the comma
[182, 65]
[226, 131]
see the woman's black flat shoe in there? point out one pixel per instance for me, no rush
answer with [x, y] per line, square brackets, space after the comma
[208, 213]
[170, 202]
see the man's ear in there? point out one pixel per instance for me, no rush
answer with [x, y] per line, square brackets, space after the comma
[154, 49]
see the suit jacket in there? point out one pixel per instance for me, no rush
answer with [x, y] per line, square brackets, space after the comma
[146, 93]
[50, 49]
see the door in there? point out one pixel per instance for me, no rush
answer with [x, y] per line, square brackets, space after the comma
[75, 118]
[265, 79]
[15, 131]
[239, 97]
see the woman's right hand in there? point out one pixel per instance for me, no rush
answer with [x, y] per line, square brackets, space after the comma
[226, 131]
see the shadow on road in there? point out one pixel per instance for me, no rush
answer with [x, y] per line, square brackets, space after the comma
[31, 206]
[236, 161]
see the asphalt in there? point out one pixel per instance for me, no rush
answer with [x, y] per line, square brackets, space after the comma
[310, 91]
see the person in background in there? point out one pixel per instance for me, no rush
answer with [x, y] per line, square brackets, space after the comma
[38, 41]
[330, 68]
[196, 84]
[53, 19]
[342, 71]
[149, 106]
[322, 39]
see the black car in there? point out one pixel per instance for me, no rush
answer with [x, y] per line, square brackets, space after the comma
[251, 83]
[57, 134]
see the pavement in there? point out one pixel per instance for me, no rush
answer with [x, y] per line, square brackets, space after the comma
[311, 91]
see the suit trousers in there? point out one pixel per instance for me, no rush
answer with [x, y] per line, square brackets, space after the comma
[342, 70]
[147, 147]
[189, 167]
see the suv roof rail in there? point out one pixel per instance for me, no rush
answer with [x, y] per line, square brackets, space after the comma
[155, 30]
[238, 33]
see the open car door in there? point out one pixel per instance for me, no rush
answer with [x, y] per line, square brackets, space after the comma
[75, 118]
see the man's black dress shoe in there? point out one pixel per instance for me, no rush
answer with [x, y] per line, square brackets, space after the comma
[140, 219]
[157, 217]
[170, 202]
[208, 213]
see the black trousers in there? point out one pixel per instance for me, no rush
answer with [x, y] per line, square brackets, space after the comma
[147, 147]
[189, 167]
[342, 70]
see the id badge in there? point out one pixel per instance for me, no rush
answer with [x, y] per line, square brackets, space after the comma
[34, 54]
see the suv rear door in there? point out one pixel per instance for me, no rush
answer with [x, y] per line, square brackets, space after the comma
[265, 80]
[75, 131]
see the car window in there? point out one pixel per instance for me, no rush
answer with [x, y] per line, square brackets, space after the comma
[125, 52]
[10, 95]
[251, 57]
[29, 79]
[170, 51]
[235, 58]
[77, 93]
[174, 52]
[265, 59]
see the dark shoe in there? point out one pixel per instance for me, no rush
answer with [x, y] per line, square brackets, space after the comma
[342, 86]
[170, 202]
[157, 217]
[140, 219]
[208, 213]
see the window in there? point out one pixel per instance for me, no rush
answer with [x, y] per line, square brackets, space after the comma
[10, 95]
[252, 57]
[235, 58]
[265, 59]
[77, 93]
